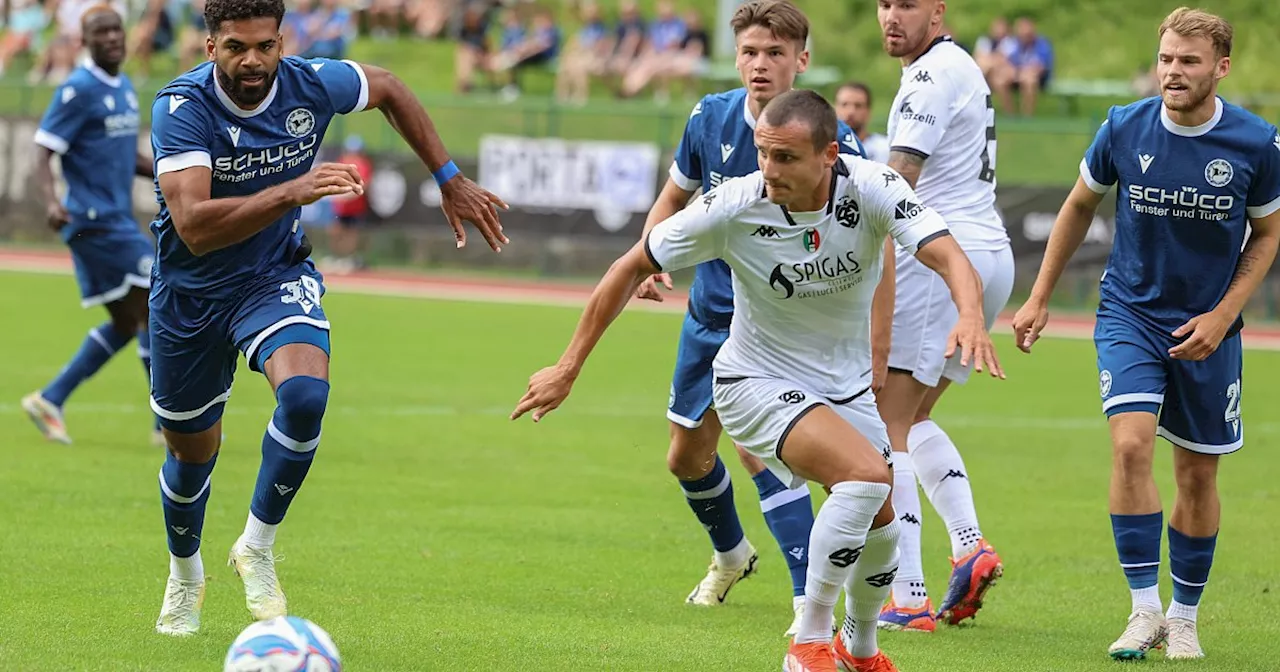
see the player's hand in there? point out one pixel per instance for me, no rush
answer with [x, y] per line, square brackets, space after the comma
[648, 288]
[970, 337]
[326, 179]
[548, 389]
[1203, 333]
[1028, 322]
[56, 216]
[465, 201]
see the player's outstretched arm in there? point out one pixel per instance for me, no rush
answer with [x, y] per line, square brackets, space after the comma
[549, 387]
[1068, 232]
[943, 255]
[671, 200]
[461, 199]
[1204, 332]
[206, 224]
[882, 304]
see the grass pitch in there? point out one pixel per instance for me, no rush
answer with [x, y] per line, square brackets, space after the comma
[434, 534]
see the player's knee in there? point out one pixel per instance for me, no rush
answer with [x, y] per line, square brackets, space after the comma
[302, 401]
[1196, 479]
[690, 457]
[1132, 455]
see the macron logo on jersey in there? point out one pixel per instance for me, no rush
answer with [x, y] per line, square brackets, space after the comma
[234, 132]
[175, 102]
[726, 150]
[67, 94]
[1144, 160]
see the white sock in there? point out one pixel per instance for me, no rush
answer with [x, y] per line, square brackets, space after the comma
[186, 569]
[734, 557]
[1147, 599]
[838, 539]
[1180, 610]
[259, 534]
[908, 587]
[868, 588]
[941, 471]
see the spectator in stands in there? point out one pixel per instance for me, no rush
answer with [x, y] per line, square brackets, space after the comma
[853, 106]
[22, 33]
[350, 213]
[695, 53]
[334, 29]
[384, 16]
[538, 47]
[991, 51]
[430, 18]
[165, 23]
[472, 52]
[629, 38]
[658, 56]
[61, 55]
[584, 57]
[1029, 71]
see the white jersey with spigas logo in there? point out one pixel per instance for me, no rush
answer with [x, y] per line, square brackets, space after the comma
[803, 281]
[943, 113]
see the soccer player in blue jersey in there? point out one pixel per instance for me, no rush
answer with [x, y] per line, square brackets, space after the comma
[1191, 172]
[92, 125]
[718, 144]
[234, 142]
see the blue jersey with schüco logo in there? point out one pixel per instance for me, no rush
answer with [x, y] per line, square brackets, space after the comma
[195, 123]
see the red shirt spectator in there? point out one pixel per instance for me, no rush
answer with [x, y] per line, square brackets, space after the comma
[352, 208]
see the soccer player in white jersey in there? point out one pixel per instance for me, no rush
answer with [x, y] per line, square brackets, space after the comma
[804, 237]
[942, 141]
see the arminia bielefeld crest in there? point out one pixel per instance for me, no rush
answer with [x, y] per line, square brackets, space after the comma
[811, 240]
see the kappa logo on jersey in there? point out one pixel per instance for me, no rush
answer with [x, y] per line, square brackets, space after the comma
[907, 113]
[890, 177]
[1218, 173]
[827, 275]
[304, 291]
[845, 557]
[1144, 162]
[812, 240]
[791, 397]
[300, 122]
[766, 232]
[708, 198]
[905, 209]
[923, 77]
[847, 213]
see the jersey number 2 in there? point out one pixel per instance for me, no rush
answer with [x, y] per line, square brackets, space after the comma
[988, 172]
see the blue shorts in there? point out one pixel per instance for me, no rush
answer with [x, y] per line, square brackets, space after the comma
[195, 341]
[691, 383]
[109, 262]
[1198, 403]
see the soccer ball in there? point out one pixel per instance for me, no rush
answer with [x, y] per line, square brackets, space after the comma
[283, 644]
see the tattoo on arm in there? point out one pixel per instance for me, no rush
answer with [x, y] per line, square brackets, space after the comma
[1248, 259]
[908, 164]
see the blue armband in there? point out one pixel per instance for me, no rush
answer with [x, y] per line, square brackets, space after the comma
[445, 173]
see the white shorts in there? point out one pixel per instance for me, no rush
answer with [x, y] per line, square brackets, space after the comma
[924, 314]
[758, 413]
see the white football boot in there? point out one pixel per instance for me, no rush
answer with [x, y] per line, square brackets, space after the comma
[180, 613]
[1184, 641]
[47, 418]
[256, 566]
[715, 586]
[1146, 630]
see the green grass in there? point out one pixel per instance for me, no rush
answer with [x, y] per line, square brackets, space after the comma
[434, 534]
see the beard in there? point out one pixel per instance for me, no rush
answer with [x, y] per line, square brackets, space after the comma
[245, 96]
[1193, 97]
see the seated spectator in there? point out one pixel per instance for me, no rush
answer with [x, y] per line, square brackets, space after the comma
[659, 54]
[628, 39]
[164, 23]
[334, 29]
[693, 60]
[584, 57]
[383, 17]
[472, 53]
[300, 25]
[539, 47]
[430, 18]
[991, 51]
[21, 35]
[1030, 66]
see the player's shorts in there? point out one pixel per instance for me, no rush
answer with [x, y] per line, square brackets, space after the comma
[195, 341]
[691, 384]
[1198, 403]
[924, 313]
[759, 413]
[109, 262]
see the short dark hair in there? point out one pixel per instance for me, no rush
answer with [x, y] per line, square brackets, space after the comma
[857, 86]
[218, 11]
[807, 107]
[781, 17]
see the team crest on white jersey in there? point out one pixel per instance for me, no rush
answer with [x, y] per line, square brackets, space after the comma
[300, 122]
[1218, 173]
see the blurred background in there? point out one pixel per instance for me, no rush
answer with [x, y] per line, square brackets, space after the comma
[570, 110]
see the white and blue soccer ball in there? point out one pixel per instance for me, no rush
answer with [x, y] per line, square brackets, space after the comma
[283, 644]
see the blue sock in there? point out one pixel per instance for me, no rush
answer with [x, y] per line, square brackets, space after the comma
[184, 491]
[144, 353]
[1138, 545]
[1190, 559]
[102, 342]
[789, 514]
[711, 498]
[289, 446]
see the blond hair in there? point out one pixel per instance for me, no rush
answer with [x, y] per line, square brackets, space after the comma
[1189, 22]
[782, 18]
